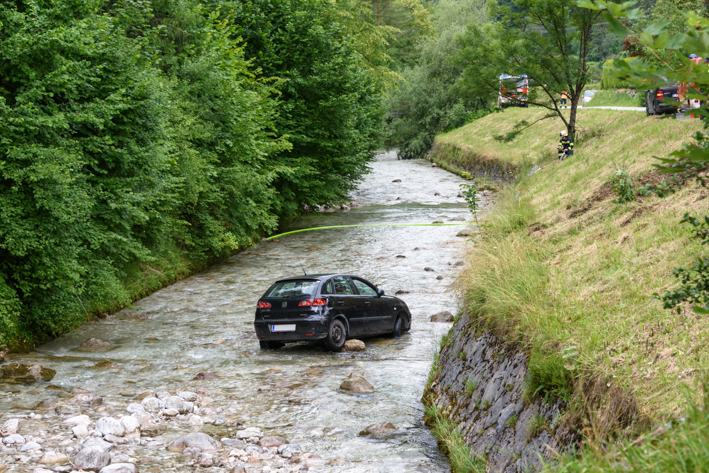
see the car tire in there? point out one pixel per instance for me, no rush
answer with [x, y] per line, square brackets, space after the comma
[271, 345]
[398, 327]
[336, 336]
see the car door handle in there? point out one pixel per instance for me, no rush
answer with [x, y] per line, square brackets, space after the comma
[340, 302]
[367, 303]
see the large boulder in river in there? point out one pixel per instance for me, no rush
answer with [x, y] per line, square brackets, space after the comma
[356, 383]
[444, 316]
[355, 345]
[20, 373]
[195, 440]
[110, 426]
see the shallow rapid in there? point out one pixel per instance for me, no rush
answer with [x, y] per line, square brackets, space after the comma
[203, 324]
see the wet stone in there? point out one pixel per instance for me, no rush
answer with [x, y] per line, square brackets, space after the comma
[227, 442]
[91, 459]
[355, 345]
[13, 439]
[274, 441]
[195, 440]
[356, 383]
[381, 430]
[444, 316]
[94, 344]
[54, 458]
[10, 427]
[20, 373]
[119, 468]
[110, 426]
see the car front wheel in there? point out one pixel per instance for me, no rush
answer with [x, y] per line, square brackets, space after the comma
[336, 336]
[398, 327]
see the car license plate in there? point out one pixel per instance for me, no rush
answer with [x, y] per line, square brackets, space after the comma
[283, 328]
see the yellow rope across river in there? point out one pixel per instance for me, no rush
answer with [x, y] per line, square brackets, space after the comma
[371, 225]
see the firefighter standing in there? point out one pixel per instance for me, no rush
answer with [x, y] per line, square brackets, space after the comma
[566, 145]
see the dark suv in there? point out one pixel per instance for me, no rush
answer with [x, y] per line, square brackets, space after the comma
[327, 307]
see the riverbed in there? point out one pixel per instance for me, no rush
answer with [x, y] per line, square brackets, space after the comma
[203, 324]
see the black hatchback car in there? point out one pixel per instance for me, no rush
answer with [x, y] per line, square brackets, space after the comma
[327, 307]
[661, 100]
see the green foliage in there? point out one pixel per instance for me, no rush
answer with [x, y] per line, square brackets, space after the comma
[548, 378]
[452, 443]
[426, 102]
[512, 420]
[537, 425]
[680, 445]
[470, 192]
[548, 40]
[623, 187]
[694, 282]
[608, 80]
[470, 386]
[143, 134]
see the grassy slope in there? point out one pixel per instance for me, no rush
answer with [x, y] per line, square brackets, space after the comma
[564, 266]
[613, 98]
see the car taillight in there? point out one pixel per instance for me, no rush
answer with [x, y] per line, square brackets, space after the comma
[660, 94]
[264, 305]
[309, 303]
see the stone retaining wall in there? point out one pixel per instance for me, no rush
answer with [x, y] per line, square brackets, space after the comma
[493, 418]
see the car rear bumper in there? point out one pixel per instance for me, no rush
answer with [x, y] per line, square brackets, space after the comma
[304, 330]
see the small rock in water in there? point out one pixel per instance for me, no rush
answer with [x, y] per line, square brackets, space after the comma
[380, 430]
[119, 468]
[130, 424]
[430, 270]
[205, 375]
[356, 383]
[110, 426]
[106, 365]
[94, 344]
[152, 404]
[396, 180]
[10, 427]
[251, 432]
[13, 439]
[78, 420]
[95, 442]
[444, 316]
[197, 440]
[80, 431]
[289, 450]
[355, 345]
[436, 222]
[170, 412]
[3, 469]
[400, 256]
[439, 277]
[196, 421]
[29, 446]
[134, 408]
[91, 459]
[227, 442]
[16, 373]
[400, 291]
[465, 233]
[42, 406]
[274, 441]
[188, 396]
[54, 458]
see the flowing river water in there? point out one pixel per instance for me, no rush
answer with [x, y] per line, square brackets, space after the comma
[203, 324]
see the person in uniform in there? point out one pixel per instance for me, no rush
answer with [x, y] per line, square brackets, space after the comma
[566, 145]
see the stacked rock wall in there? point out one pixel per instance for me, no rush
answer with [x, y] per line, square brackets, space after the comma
[493, 417]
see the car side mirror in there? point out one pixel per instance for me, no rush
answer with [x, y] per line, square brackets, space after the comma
[380, 292]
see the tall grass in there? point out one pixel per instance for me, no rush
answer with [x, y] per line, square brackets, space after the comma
[616, 98]
[452, 443]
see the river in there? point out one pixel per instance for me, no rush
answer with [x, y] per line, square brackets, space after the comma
[204, 324]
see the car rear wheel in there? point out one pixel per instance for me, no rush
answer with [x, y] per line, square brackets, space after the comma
[336, 336]
[271, 345]
[398, 327]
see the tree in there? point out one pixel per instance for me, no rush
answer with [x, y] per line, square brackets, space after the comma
[548, 40]
[427, 103]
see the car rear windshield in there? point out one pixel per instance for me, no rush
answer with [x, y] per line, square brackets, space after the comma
[293, 288]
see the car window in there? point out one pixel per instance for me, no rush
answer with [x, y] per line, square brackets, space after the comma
[364, 288]
[342, 286]
[327, 288]
[295, 288]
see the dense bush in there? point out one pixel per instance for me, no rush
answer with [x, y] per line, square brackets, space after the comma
[610, 82]
[136, 135]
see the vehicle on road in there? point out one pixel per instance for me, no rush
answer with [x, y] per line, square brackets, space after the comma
[514, 91]
[588, 96]
[327, 307]
[662, 100]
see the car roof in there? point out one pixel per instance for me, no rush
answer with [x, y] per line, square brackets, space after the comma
[318, 277]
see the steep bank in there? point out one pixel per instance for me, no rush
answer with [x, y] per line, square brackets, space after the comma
[566, 277]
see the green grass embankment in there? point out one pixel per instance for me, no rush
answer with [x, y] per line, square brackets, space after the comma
[571, 276]
[616, 98]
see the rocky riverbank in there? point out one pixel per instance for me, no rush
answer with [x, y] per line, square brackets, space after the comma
[156, 432]
[479, 385]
